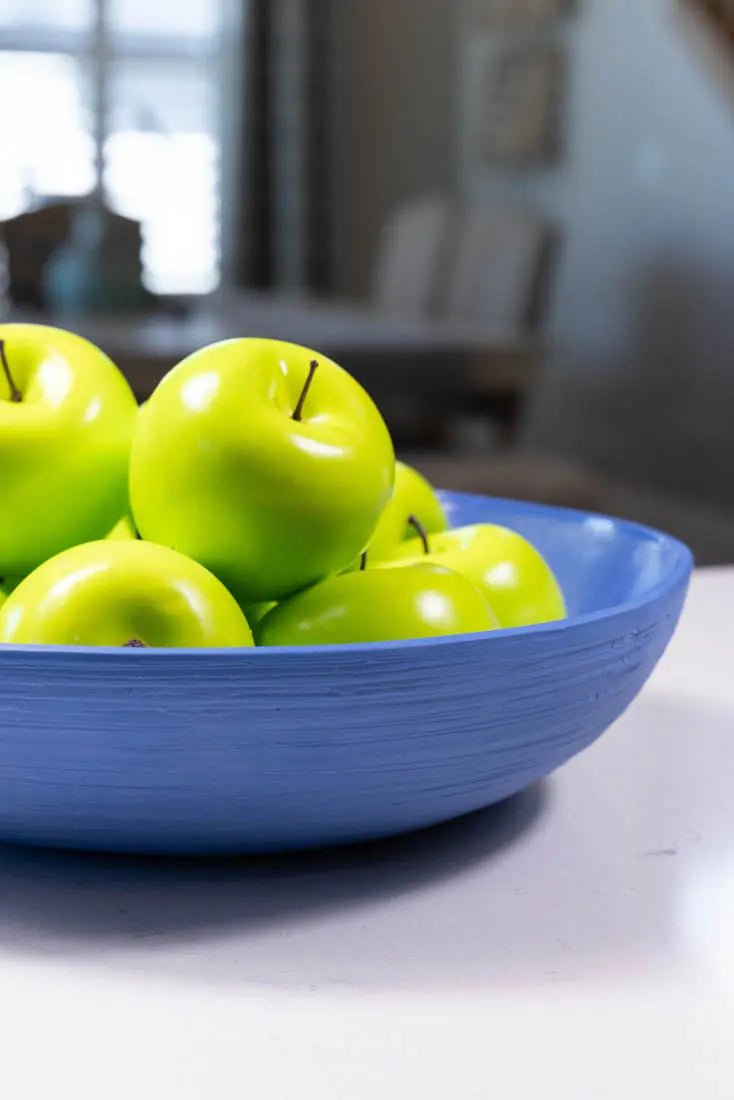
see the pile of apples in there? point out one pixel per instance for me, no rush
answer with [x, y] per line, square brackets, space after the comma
[253, 499]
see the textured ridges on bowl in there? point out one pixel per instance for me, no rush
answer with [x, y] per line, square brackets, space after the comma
[260, 750]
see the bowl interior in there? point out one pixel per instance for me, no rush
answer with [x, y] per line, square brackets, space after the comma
[600, 562]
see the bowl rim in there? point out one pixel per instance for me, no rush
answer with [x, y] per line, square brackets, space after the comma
[678, 575]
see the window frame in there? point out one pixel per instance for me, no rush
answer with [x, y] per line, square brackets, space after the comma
[96, 47]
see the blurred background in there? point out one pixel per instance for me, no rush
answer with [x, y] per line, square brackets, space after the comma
[512, 220]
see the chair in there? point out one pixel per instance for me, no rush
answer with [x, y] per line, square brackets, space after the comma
[412, 248]
[30, 240]
[589, 445]
[499, 268]
[33, 238]
[485, 266]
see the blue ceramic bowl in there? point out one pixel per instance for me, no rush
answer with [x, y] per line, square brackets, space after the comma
[211, 751]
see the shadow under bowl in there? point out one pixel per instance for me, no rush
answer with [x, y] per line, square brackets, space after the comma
[225, 751]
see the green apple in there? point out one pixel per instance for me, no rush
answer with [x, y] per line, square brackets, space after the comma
[7, 584]
[413, 499]
[378, 605]
[516, 580]
[123, 530]
[265, 462]
[254, 612]
[122, 593]
[66, 422]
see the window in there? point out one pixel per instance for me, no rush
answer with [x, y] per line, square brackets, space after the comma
[122, 95]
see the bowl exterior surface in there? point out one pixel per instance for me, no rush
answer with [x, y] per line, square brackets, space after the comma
[247, 751]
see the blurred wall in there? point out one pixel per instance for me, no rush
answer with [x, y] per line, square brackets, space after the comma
[644, 305]
[394, 112]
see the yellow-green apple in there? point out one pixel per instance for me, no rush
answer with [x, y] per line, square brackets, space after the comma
[254, 612]
[376, 605]
[66, 422]
[413, 500]
[123, 530]
[264, 461]
[515, 578]
[123, 593]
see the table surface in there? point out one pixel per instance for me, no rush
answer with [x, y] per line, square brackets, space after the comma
[575, 942]
[147, 344]
[324, 323]
[311, 321]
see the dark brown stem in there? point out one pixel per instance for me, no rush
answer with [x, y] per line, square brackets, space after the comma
[416, 524]
[15, 394]
[363, 562]
[135, 643]
[298, 411]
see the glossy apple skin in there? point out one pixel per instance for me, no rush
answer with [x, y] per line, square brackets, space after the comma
[412, 496]
[516, 580]
[378, 605]
[107, 593]
[64, 448]
[221, 471]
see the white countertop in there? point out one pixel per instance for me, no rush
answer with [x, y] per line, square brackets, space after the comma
[576, 942]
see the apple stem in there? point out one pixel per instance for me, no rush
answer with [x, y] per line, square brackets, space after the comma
[135, 643]
[298, 411]
[363, 562]
[415, 523]
[15, 394]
